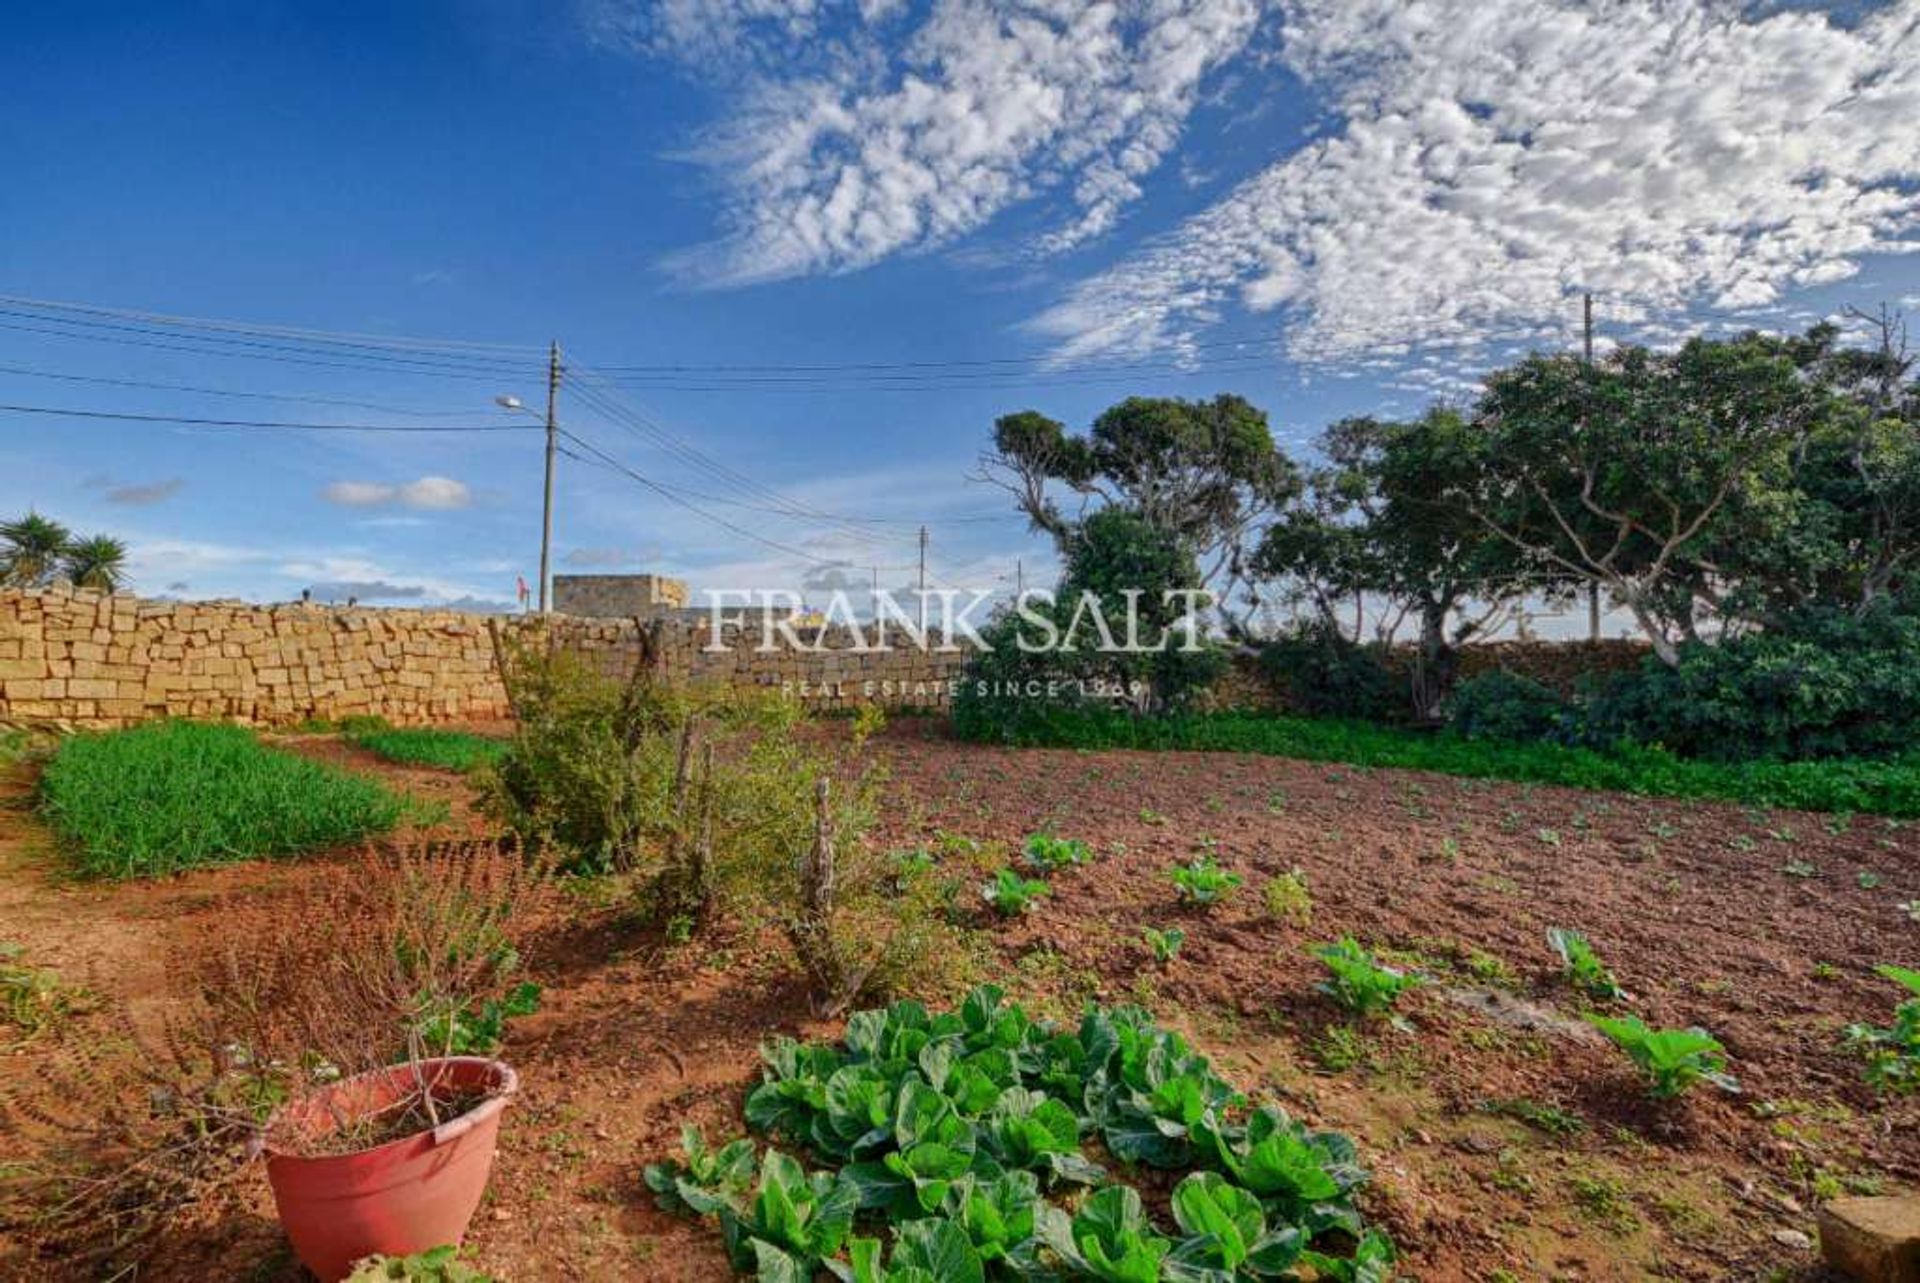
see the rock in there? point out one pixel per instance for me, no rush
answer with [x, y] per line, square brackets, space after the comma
[1793, 1239]
[1872, 1240]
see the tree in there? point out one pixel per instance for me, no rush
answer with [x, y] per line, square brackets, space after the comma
[36, 551]
[97, 562]
[1206, 473]
[30, 550]
[1374, 522]
[1636, 474]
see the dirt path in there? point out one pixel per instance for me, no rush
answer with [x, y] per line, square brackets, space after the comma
[1502, 1136]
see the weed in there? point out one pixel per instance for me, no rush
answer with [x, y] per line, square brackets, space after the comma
[1547, 837]
[1550, 1119]
[1050, 854]
[1893, 1054]
[1867, 880]
[1799, 869]
[428, 746]
[1603, 1201]
[32, 999]
[1288, 899]
[1339, 1048]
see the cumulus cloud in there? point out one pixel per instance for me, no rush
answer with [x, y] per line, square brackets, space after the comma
[434, 493]
[1490, 159]
[144, 493]
[882, 147]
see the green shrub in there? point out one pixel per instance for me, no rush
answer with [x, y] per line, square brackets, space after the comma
[1506, 706]
[1288, 899]
[1822, 684]
[170, 795]
[1319, 672]
[427, 746]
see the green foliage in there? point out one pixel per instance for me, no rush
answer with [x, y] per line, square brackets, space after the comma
[466, 1028]
[33, 999]
[1012, 895]
[709, 1180]
[427, 746]
[1050, 853]
[1288, 899]
[1506, 706]
[1164, 944]
[1320, 672]
[1202, 881]
[1819, 683]
[950, 1130]
[435, 1265]
[36, 551]
[169, 795]
[1359, 982]
[1672, 1059]
[1880, 787]
[1893, 1054]
[1582, 966]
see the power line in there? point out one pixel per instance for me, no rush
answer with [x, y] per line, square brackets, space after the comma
[664, 492]
[229, 392]
[187, 421]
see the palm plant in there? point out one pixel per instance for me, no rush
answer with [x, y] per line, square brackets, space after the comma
[30, 550]
[98, 561]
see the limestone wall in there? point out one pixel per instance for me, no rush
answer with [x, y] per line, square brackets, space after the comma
[82, 659]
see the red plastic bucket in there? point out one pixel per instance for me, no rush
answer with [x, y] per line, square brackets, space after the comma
[405, 1196]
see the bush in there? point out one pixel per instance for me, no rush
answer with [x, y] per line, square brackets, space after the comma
[1506, 706]
[1317, 671]
[168, 796]
[1821, 684]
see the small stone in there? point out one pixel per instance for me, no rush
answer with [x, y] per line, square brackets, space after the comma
[1873, 1240]
[502, 1214]
[1793, 1239]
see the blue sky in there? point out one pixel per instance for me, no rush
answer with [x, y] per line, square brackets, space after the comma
[1328, 206]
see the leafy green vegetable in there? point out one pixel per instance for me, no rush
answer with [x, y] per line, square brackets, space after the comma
[1109, 1239]
[924, 1251]
[708, 1181]
[1582, 966]
[1153, 1095]
[1165, 944]
[1050, 854]
[435, 1265]
[794, 1222]
[1672, 1059]
[466, 1030]
[1306, 1178]
[935, 1145]
[1227, 1233]
[1202, 881]
[1013, 895]
[1359, 983]
[1893, 1053]
[1029, 1130]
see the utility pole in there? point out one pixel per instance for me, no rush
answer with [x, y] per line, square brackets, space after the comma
[1593, 590]
[923, 579]
[1019, 577]
[553, 442]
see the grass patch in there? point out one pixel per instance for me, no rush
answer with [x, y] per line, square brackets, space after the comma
[1879, 786]
[171, 795]
[425, 746]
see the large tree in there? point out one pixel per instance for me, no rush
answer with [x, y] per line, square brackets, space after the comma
[1374, 523]
[1637, 475]
[1206, 473]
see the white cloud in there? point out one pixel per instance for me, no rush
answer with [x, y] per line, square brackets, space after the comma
[1491, 158]
[877, 150]
[434, 493]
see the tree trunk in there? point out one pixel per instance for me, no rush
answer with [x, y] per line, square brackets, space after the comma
[1434, 661]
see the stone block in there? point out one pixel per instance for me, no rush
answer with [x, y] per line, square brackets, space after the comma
[1873, 1240]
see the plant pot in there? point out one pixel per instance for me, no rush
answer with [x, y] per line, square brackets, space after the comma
[401, 1197]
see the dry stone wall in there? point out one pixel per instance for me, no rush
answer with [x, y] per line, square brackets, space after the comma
[82, 659]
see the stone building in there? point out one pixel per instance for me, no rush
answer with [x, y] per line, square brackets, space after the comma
[617, 596]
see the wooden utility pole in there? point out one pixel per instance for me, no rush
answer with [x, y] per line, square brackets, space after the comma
[546, 505]
[923, 579]
[1593, 589]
